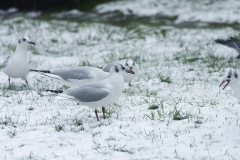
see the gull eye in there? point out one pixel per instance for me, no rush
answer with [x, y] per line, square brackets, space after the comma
[133, 63]
[228, 76]
[24, 39]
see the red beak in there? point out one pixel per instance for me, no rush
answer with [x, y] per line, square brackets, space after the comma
[32, 43]
[225, 85]
[129, 71]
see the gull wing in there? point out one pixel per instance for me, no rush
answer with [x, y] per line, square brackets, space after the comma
[232, 43]
[71, 73]
[4, 65]
[90, 93]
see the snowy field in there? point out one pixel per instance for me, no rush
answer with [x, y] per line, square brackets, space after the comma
[173, 110]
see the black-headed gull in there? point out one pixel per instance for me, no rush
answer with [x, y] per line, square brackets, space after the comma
[80, 76]
[99, 93]
[231, 42]
[232, 79]
[128, 63]
[16, 65]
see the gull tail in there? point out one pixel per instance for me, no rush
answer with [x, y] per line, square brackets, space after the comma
[55, 91]
[231, 42]
[234, 39]
[51, 93]
[58, 94]
[223, 42]
[46, 73]
[42, 71]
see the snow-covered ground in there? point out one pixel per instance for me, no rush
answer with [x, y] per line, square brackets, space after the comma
[221, 11]
[173, 110]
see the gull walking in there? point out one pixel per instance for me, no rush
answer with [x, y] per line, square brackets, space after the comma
[99, 93]
[232, 79]
[232, 43]
[16, 65]
[128, 63]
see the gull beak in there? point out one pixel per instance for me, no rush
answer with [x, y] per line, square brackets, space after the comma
[32, 43]
[129, 71]
[225, 85]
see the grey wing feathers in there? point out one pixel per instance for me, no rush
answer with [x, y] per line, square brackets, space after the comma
[232, 43]
[107, 67]
[4, 65]
[89, 93]
[73, 73]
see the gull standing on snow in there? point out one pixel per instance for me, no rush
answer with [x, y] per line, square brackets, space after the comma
[16, 65]
[232, 79]
[99, 93]
[128, 63]
[232, 43]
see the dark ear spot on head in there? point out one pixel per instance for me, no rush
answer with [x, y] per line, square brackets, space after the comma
[19, 41]
[122, 66]
[229, 74]
[235, 74]
[116, 69]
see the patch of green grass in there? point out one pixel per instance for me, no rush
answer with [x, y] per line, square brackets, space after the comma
[153, 107]
[78, 122]
[85, 63]
[59, 127]
[163, 78]
[31, 108]
[179, 115]
[8, 121]
[63, 87]
[151, 116]
[54, 40]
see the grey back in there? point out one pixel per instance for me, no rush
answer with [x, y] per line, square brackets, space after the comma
[90, 93]
[4, 65]
[108, 67]
[72, 73]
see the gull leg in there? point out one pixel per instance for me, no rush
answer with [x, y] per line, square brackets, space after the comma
[103, 110]
[96, 114]
[9, 81]
[26, 82]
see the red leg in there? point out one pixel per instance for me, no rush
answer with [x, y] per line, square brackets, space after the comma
[96, 114]
[103, 110]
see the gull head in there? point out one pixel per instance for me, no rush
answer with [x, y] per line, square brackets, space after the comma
[231, 78]
[130, 64]
[25, 41]
[118, 68]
